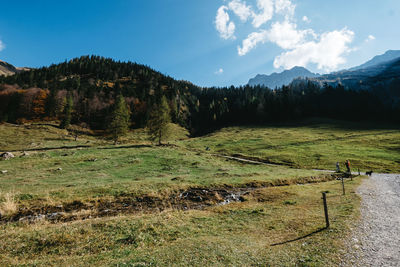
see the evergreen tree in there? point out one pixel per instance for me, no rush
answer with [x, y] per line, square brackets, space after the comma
[51, 104]
[67, 116]
[159, 120]
[120, 118]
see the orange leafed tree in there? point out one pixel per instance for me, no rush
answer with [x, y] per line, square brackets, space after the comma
[39, 104]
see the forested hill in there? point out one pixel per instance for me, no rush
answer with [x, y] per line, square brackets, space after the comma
[94, 82]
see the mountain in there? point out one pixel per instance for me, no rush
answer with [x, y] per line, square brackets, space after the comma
[380, 71]
[279, 79]
[7, 69]
[387, 56]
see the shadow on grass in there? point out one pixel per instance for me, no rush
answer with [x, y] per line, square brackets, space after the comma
[123, 147]
[299, 238]
[51, 148]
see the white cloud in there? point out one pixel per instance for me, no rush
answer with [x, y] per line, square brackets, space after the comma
[306, 19]
[285, 7]
[219, 72]
[267, 11]
[251, 42]
[241, 10]
[2, 45]
[370, 38]
[301, 47]
[225, 27]
[327, 52]
[286, 35]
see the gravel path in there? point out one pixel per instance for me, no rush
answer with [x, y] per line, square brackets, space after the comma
[376, 240]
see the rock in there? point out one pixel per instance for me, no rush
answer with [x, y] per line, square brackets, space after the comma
[55, 216]
[24, 154]
[59, 169]
[4, 172]
[32, 218]
[7, 156]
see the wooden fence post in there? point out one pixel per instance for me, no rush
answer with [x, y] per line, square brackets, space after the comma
[325, 209]
[344, 193]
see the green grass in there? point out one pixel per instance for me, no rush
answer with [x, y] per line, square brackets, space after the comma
[61, 170]
[239, 234]
[103, 170]
[110, 170]
[318, 145]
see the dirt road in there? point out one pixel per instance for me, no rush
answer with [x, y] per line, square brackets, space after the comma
[376, 239]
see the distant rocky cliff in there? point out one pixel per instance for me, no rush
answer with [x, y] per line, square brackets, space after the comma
[279, 79]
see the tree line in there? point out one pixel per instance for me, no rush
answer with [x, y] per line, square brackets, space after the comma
[102, 93]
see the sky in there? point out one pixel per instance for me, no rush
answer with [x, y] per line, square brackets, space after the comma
[207, 42]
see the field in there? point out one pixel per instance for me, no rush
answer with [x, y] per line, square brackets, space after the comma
[313, 144]
[67, 202]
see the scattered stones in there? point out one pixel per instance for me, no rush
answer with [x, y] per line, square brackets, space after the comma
[55, 216]
[32, 218]
[7, 156]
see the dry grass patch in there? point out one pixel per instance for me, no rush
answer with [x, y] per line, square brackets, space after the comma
[9, 205]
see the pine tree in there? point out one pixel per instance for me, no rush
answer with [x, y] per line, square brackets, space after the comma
[158, 121]
[120, 118]
[67, 116]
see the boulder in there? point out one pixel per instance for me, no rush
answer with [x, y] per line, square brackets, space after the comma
[7, 155]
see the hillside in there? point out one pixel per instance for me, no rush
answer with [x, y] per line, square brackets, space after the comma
[93, 83]
[386, 57]
[7, 69]
[382, 79]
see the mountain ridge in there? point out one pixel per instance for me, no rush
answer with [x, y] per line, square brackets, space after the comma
[283, 78]
[359, 77]
[7, 69]
[389, 55]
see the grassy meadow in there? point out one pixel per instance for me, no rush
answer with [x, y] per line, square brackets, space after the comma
[282, 205]
[312, 145]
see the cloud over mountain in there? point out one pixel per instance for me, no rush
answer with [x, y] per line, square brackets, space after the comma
[274, 21]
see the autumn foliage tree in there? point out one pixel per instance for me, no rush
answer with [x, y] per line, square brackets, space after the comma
[39, 104]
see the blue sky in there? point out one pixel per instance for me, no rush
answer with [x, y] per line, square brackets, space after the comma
[208, 42]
